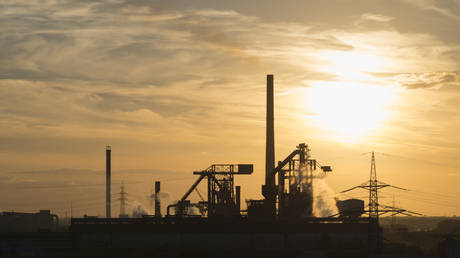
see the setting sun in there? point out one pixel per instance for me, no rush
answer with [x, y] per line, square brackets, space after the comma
[348, 112]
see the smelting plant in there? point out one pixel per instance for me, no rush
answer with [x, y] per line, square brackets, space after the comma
[283, 221]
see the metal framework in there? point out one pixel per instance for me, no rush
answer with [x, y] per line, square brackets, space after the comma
[373, 186]
[123, 201]
[222, 198]
[373, 192]
[294, 192]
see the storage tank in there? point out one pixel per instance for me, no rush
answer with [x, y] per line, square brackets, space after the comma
[350, 208]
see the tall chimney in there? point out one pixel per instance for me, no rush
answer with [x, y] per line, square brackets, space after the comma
[157, 200]
[108, 151]
[269, 191]
[270, 140]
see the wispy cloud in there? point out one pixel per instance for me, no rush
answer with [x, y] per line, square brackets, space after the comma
[376, 17]
[434, 6]
[428, 80]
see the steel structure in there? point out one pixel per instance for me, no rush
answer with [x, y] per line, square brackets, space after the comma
[294, 192]
[374, 231]
[123, 199]
[373, 192]
[373, 186]
[222, 198]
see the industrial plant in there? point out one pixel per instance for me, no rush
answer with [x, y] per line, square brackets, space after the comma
[282, 224]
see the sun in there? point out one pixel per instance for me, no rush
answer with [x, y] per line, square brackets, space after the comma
[354, 104]
[347, 112]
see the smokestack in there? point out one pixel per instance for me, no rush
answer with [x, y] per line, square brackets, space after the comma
[157, 200]
[270, 140]
[108, 151]
[268, 190]
[238, 197]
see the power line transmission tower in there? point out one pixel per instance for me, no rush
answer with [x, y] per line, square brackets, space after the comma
[373, 185]
[374, 230]
[373, 192]
[123, 201]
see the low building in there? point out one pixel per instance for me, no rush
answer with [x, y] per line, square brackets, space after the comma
[42, 221]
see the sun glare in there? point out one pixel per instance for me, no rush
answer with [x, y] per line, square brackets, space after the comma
[353, 105]
[347, 112]
[351, 65]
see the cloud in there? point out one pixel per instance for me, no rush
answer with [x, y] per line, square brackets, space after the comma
[140, 48]
[161, 105]
[436, 6]
[126, 69]
[376, 17]
[428, 80]
[148, 71]
[93, 70]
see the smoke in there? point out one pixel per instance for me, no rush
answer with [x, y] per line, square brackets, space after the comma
[139, 210]
[323, 199]
[161, 195]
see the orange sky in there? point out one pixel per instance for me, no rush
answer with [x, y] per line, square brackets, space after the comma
[176, 86]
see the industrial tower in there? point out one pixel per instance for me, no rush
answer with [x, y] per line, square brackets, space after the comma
[269, 189]
[108, 197]
[157, 200]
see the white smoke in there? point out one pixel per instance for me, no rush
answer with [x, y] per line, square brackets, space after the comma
[139, 210]
[323, 199]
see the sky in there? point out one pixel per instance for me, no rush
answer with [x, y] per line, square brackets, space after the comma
[175, 86]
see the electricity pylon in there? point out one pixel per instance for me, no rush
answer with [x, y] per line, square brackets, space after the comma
[123, 201]
[373, 185]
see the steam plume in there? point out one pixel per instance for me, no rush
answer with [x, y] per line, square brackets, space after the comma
[323, 199]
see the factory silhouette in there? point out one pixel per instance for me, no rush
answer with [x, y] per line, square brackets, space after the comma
[282, 224]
